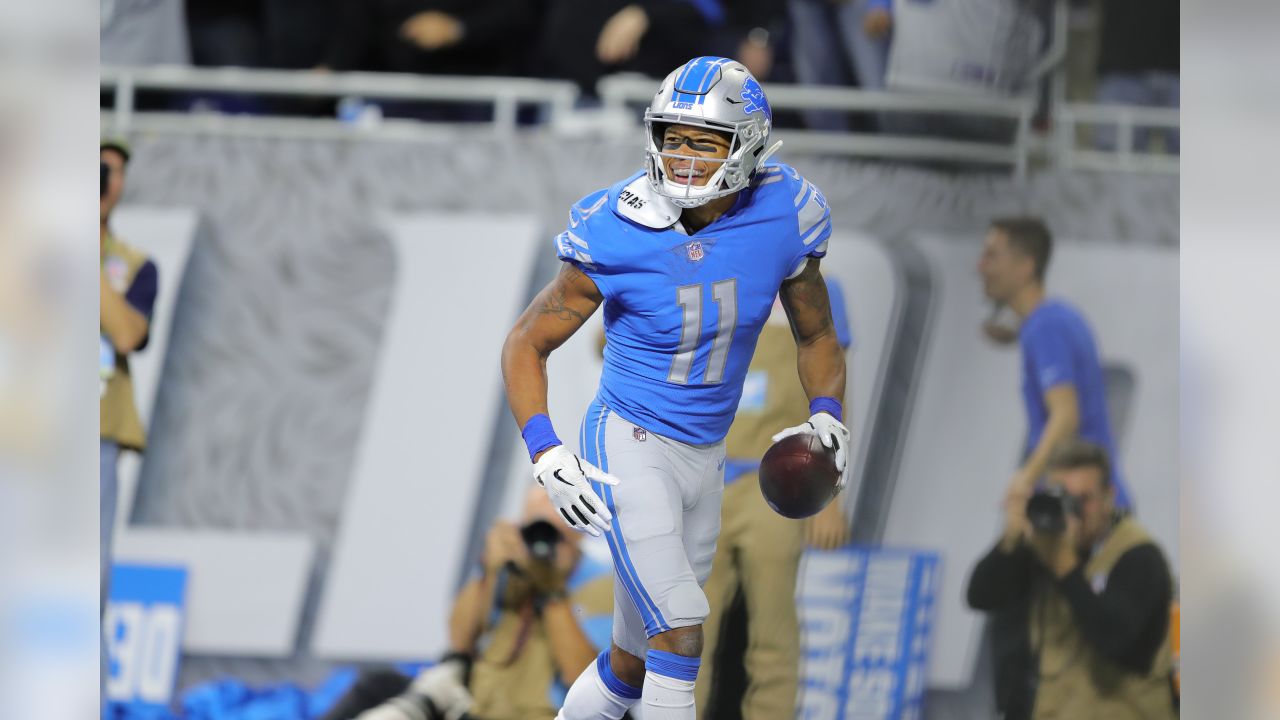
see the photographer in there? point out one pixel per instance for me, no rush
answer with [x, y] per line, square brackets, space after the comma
[127, 286]
[1096, 591]
[536, 614]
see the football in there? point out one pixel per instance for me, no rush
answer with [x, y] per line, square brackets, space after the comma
[798, 476]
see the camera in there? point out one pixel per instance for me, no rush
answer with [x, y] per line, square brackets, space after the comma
[541, 537]
[1047, 510]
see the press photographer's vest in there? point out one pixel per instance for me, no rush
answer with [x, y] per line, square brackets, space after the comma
[118, 416]
[772, 396]
[514, 672]
[1076, 682]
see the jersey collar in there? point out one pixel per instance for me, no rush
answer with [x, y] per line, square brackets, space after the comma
[639, 203]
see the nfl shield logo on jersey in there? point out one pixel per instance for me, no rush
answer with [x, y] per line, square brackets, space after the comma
[639, 434]
[695, 251]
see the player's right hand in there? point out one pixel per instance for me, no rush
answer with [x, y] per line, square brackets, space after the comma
[565, 477]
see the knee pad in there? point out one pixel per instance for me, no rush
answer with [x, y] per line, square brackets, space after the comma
[687, 605]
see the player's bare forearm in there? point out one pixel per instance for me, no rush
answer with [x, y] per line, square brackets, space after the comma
[570, 649]
[552, 318]
[124, 326]
[822, 370]
[819, 357]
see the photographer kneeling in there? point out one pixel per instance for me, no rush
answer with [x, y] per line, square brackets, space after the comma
[536, 614]
[1096, 589]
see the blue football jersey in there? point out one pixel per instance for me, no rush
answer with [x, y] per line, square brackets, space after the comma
[682, 313]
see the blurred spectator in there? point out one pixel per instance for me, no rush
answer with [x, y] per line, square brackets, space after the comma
[983, 47]
[441, 37]
[142, 32]
[296, 33]
[840, 42]
[127, 291]
[1138, 64]
[537, 613]
[286, 34]
[225, 33]
[1095, 591]
[1062, 383]
[758, 553]
[749, 34]
[584, 40]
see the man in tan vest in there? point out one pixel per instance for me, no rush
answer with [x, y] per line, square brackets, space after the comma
[127, 292]
[1097, 590]
[536, 613]
[758, 553]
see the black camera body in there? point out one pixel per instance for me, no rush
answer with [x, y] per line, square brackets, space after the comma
[541, 537]
[1047, 510]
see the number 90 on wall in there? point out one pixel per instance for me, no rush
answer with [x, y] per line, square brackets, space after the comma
[143, 631]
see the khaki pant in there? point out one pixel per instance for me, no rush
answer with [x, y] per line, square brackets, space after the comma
[759, 551]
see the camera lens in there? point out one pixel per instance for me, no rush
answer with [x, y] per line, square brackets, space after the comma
[1047, 511]
[541, 538]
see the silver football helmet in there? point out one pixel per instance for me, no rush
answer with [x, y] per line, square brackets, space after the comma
[718, 94]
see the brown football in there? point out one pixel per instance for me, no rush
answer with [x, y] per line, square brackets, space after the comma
[798, 476]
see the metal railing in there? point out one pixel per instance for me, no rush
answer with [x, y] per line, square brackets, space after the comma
[1126, 121]
[621, 93]
[505, 95]
[559, 103]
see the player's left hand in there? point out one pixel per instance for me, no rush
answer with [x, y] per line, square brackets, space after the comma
[832, 433]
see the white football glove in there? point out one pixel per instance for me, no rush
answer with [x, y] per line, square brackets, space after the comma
[832, 433]
[565, 476]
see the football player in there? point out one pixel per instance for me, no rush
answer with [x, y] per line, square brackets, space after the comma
[686, 256]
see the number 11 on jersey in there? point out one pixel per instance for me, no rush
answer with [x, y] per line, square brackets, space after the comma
[725, 295]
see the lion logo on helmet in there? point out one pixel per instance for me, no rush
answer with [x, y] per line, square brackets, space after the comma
[753, 94]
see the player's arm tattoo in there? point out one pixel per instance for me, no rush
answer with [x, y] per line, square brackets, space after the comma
[561, 308]
[807, 304]
[553, 300]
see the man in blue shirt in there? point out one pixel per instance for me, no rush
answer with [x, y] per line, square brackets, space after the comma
[686, 258]
[1062, 382]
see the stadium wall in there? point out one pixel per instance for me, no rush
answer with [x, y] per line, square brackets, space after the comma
[277, 337]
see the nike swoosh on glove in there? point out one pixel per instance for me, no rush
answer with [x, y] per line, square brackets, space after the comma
[565, 477]
[832, 433]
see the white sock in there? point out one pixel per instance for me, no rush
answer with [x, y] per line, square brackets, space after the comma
[668, 686]
[598, 694]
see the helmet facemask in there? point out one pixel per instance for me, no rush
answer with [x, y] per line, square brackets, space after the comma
[745, 144]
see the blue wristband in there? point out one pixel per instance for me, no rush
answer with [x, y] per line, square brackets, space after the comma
[828, 405]
[538, 435]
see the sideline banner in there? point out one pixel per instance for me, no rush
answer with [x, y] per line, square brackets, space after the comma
[866, 615]
[143, 629]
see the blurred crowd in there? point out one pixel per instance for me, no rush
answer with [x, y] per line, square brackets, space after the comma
[1120, 51]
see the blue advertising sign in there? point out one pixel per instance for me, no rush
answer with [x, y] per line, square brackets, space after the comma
[866, 616]
[143, 630]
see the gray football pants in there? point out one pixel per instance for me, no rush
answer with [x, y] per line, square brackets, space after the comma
[666, 518]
